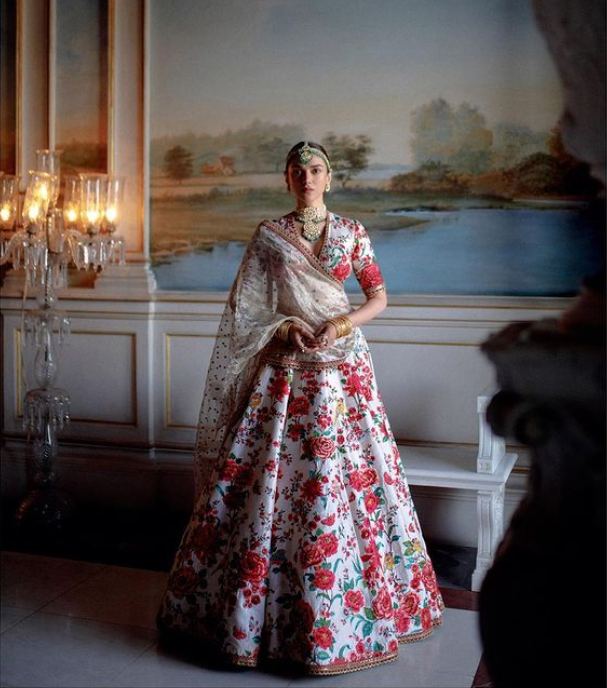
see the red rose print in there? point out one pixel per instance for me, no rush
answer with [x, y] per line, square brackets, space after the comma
[239, 634]
[295, 431]
[253, 568]
[382, 605]
[302, 616]
[402, 621]
[229, 470]
[429, 577]
[279, 387]
[360, 648]
[410, 604]
[324, 579]
[354, 385]
[356, 480]
[299, 406]
[371, 276]
[354, 600]
[371, 573]
[369, 477]
[322, 447]
[312, 489]
[329, 521]
[371, 502]
[204, 537]
[244, 475]
[341, 271]
[183, 581]
[323, 637]
[312, 555]
[324, 421]
[426, 618]
[328, 544]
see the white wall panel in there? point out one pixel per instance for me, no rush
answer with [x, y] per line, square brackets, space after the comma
[187, 360]
[430, 389]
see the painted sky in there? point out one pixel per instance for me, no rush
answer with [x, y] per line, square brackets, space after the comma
[81, 94]
[349, 66]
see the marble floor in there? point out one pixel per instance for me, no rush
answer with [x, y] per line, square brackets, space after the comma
[68, 622]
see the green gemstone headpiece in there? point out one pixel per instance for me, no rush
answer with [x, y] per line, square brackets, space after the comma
[305, 153]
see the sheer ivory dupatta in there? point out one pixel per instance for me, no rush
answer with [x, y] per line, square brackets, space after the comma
[278, 280]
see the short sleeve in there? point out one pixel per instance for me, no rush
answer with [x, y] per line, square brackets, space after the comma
[365, 264]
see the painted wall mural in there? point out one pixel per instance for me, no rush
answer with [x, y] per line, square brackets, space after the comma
[440, 117]
[81, 84]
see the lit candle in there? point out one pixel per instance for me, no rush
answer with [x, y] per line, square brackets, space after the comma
[72, 215]
[5, 213]
[111, 214]
[92, 216]
[33, 212]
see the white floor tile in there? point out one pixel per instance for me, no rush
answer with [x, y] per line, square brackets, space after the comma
[61, 652]
[97, 628]
[31, 581]
[117, 594]
[454, 647]
[158, 668]
[10, 616]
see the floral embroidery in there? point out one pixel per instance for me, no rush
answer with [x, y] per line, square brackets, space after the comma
[306, 546]
[346, 249]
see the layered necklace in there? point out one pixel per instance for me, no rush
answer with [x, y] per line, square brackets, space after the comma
[311, 219]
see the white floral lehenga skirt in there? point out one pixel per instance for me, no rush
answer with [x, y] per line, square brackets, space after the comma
[306, 546]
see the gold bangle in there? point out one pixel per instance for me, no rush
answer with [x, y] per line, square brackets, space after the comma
[282, 331]
[342, 324]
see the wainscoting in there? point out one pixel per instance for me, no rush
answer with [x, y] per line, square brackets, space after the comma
[135, 371]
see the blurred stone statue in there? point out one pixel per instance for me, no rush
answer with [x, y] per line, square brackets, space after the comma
[542, 604]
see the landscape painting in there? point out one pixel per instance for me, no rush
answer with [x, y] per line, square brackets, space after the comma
[81, 85]
[441, 119]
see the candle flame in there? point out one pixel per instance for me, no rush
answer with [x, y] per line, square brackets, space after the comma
[5, 214]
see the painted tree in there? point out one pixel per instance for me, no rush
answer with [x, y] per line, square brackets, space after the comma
[349, 155]
[432, 129]
[457, 137]
[178, 163]
[512, 143]
[472, 141]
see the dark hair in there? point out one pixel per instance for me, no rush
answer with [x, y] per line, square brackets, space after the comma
[297, 146]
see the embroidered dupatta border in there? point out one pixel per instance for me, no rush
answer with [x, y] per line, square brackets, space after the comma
[312, 259]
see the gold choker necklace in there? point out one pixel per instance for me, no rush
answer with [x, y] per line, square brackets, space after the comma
[311, 217]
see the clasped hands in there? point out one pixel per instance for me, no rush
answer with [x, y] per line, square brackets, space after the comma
[304, 338]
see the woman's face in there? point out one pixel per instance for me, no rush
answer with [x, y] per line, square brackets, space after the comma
[307, 182]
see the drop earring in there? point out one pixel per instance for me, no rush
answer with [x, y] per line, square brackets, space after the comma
[328, 187]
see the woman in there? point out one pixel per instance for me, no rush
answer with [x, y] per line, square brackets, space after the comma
[304, 544]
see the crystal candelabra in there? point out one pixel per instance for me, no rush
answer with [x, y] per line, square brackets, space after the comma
[51, 236]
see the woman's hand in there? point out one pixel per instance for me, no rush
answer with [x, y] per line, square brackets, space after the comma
[325, 335]
[302, 337]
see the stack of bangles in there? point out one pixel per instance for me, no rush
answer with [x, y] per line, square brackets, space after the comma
[282, 332]
[342, 324]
